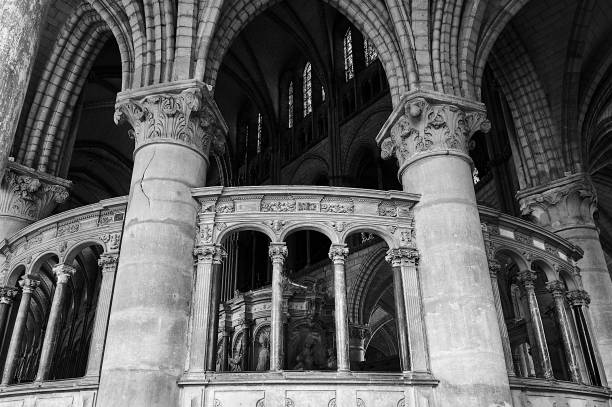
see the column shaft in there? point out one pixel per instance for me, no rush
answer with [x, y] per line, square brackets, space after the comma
[213, 327]
[494, 268]
[28, 285]
[338, 253]
[400, 318]
[569, 342]
[278, 253]
[108, 267]
[63, 273]
[7, 294]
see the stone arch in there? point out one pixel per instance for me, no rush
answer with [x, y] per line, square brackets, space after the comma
[380, 231]
[75, 249]
[243, 227]
[309, 225]
[367, 271]
[231, 21]
[309, 166]
[514, 255]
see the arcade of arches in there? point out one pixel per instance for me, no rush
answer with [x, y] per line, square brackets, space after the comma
[305, 203]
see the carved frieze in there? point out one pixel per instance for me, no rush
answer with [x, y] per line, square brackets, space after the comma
[278, 206]
[112, 240]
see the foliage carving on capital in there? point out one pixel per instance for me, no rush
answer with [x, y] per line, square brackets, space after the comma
[402, 255]
[29, 196]
[188, 116]
[211, 253]
[7, 294]
[108, 262]
[338, 253]
[63, 272]
[556, 288]
[527, 277]
[570, 201]
[278, 252]
[428, 124]
[29, 283]
[578, 298]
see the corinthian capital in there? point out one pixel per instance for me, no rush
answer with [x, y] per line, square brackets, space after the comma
[212, 253]
[402, 255]
[338, 253]
[430, 122]
[568, 202]
[278, 252]
[7, 294]
[29, 194]
[180, 112]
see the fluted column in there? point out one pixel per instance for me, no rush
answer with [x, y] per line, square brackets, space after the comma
[494, 268]
[579, 301]
[63, 272]
[21, 22]
[175, 125]
[215, 297]
[7, 295]
[108, 266]
[278, 254]
[566, 206]
[557, 289]
[528, 277]
[28, 285]
[428, 133]
[338, 254]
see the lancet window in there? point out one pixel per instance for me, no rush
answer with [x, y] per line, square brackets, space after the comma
[349, 70]
[307, 88]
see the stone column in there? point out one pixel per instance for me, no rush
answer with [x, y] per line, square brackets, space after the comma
[566, 206]
[494, 268]
[7, 294]
[580, 300]
[428, 133]
[528, 277]
[21, 22]
[396, 257]
[557, 290]
[27, 196]
[338, 254]
[108, 266]
[278, 253]
[174, 126]
[63, 272]
[357, 338]
[28, 284]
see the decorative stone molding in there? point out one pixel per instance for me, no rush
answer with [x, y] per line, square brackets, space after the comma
[556, 288]
[527, 277]
[210, 253]
[567, 202]
[180, 112]
[278, 252]
[402, 255]
[338, 253]
[494, 268]
[430, 122]
[578, 298]
[7, 295]
[63, 272]
[29, 194]
[108, 262]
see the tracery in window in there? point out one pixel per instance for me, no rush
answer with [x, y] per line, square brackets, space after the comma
[349, 70]
[290, 105]
[370, 52]
[259, 133]
[307, 86]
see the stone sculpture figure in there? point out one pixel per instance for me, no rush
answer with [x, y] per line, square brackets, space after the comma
[263, 359]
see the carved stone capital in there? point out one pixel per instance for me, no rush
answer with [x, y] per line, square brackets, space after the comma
[527, 277]
[63, 272]
[210, 253]
[338, 253]
[278, 252]
[429, 122]
[29, 283]
[29, 194]
[556, 288]
[402, 256]
[578, 298]
[494, 268]
[568, 202]
[108, 262]
[359, 331]
[7, 295]
[181, 112]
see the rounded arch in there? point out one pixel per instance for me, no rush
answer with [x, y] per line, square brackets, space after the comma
[15, 274]
[568, 278]
[366, 273]
[547, 268]
[231, 21]
[74, 250]
[308, 166]
[514, 255]
[40, 260]
[244, 227]
[309, 225]
[379, 231]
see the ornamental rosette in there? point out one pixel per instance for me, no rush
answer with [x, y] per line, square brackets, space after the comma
[181, 113]
[429, 122]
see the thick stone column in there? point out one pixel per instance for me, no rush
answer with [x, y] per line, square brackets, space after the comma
[108, 266]
[63, 272]
[580, 300]
[557, 290]
[428, 133]
[7, 294]
[528, 277]
[566, 206]
[26, 196]
[146, 346]
[278, 253]
[21, 22]
[205, 310]
[338, 254]
[28, 284]
[494, 268]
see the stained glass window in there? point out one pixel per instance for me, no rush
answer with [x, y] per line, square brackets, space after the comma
[349, 70]
[370, 52]
[290, 105]
[307, 76]
[259, 133]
